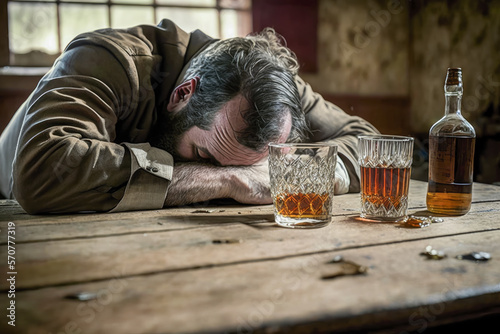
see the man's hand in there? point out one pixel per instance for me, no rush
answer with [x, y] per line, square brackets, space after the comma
[342, 180]
[198, 182]
[250, 184]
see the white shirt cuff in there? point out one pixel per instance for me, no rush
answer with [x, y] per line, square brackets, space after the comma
[150, 175]
[342, 180]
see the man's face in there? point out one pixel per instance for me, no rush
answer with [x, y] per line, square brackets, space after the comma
[219, 145]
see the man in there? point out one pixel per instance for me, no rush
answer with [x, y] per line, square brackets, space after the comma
[149, 117]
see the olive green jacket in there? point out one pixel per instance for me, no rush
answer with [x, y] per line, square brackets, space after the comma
[79, 142]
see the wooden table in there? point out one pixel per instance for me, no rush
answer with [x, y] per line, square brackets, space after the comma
[229, 268]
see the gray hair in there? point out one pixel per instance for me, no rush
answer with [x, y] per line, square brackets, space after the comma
[261, 69]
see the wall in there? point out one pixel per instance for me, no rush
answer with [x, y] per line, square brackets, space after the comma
[454, 34]
[363, 60]
[362, 48]
[389, 47]
[386, 60]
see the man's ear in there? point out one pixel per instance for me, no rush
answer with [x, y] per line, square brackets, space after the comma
[181, 94]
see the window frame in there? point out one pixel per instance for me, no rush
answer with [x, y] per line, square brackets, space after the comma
[4, 34]
[5, 56]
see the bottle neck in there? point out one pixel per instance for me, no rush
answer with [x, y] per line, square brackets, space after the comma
[453, 104]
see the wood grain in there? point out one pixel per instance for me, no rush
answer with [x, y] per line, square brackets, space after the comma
[74, 260]
[38, 227]
[401, 288]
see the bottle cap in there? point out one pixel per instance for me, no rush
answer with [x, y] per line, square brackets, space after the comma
[454, 76]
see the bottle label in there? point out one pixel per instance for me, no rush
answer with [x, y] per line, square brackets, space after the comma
[441, 159]
[451, 159]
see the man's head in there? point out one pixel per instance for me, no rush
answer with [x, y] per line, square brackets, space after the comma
[237, 96]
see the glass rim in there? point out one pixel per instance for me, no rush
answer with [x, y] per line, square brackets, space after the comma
[386, 137]
[303, 145]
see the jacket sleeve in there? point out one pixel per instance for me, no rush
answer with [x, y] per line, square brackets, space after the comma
[327, 122]
[66, 160]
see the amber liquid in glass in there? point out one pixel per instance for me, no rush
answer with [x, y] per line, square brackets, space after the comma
[300, 205]
[450, 174]
[385, 186]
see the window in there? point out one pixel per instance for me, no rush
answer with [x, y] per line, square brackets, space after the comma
[38, 30]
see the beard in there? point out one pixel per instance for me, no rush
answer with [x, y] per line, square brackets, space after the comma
[168, 130]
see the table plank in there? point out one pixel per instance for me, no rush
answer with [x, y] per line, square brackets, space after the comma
[401, 288]
[115, 226]
[87, 259]
[40, 227]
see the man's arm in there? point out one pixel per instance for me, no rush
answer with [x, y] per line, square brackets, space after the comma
[67, 160]
[197, 182]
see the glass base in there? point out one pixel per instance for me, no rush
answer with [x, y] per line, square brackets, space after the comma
[301, 222]
[384, 219]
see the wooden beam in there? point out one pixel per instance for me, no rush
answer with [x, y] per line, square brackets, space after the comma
[4, 34]
[388, 113]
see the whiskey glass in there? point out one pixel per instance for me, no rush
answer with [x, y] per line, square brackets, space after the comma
[302, 179]
[385, 170]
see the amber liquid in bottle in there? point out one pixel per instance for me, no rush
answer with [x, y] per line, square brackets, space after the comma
[451, 155]
[450, 186]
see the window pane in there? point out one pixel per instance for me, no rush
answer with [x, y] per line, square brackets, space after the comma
[76, 19]
[97, 1]
[129, 16]
[188, 2]
[147, 2]
[192, 19]
[235, 23]
[236, 4]
[32, 27]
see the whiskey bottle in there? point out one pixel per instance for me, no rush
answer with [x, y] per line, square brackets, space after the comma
[451, 154]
